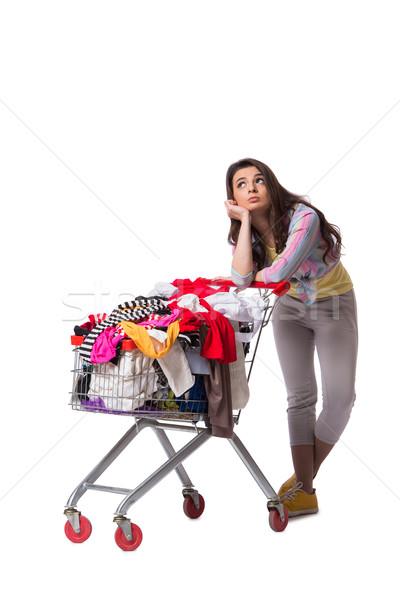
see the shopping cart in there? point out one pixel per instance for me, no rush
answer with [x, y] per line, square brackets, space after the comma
[109, 389]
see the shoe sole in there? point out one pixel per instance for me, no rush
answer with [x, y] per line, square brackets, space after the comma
[297, 513]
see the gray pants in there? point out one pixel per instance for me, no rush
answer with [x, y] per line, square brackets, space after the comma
[330, 326]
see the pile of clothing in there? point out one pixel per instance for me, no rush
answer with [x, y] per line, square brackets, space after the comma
[187, 353]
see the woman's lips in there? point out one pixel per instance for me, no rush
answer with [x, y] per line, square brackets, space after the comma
[253, 199]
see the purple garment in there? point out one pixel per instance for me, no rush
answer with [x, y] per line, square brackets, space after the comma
[103, 349]
[97, 405]
[93, 404]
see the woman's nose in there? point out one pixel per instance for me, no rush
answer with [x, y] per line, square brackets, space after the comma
[252, 187]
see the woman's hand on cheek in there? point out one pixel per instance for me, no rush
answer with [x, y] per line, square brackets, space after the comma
[234, 211]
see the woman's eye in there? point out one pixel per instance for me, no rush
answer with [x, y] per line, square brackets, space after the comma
[241, 184]
[259, 180]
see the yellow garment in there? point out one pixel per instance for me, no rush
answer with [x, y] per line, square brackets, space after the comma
[168, 405]
[146, 344]
[335, 282]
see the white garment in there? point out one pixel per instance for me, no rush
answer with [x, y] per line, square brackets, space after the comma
[191, 302]
[239, 308]
[123, 387]
[198, 364]
[163, 289]
[174, 365]
[237, 370]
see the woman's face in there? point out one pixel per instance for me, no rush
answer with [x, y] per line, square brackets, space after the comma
[250, 190]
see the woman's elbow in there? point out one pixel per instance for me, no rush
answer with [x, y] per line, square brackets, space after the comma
[240, 280]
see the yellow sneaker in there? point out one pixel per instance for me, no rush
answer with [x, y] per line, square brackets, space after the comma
[298, 502]
[285, 487]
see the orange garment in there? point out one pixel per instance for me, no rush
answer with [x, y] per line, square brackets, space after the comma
[145, 343]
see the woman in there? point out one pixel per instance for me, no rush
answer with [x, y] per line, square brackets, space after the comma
[279, 236]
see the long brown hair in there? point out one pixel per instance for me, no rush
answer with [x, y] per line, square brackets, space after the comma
[282, 201]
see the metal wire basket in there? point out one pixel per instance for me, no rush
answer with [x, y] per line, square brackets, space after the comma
[134, 386]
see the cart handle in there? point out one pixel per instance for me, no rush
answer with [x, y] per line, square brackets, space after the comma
[280, 289]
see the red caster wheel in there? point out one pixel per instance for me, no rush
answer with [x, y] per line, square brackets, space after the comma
[132, 544]
[189, 508]
[275, 519]
[82, 536]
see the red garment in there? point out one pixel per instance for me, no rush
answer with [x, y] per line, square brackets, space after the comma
[220, 341]
[197, 287]
[93, 321]
[189, 321]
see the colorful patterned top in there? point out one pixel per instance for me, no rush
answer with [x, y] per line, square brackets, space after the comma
[301, 261]
[336, 282]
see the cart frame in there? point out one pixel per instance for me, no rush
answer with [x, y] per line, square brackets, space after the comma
[129, 533]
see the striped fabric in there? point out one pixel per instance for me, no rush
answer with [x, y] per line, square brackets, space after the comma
[242, 282]
[302, 258]
[97, 318]
[128, 311]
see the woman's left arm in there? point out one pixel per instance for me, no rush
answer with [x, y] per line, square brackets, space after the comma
[302, 239]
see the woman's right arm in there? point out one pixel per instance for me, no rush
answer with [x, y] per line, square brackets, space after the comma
[242, 272]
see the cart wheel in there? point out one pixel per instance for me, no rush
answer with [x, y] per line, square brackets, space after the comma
[275, 519]
[82, 536]
[132, 544]
[189, 507]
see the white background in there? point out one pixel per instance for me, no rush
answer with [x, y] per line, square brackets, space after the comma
[118, 121]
